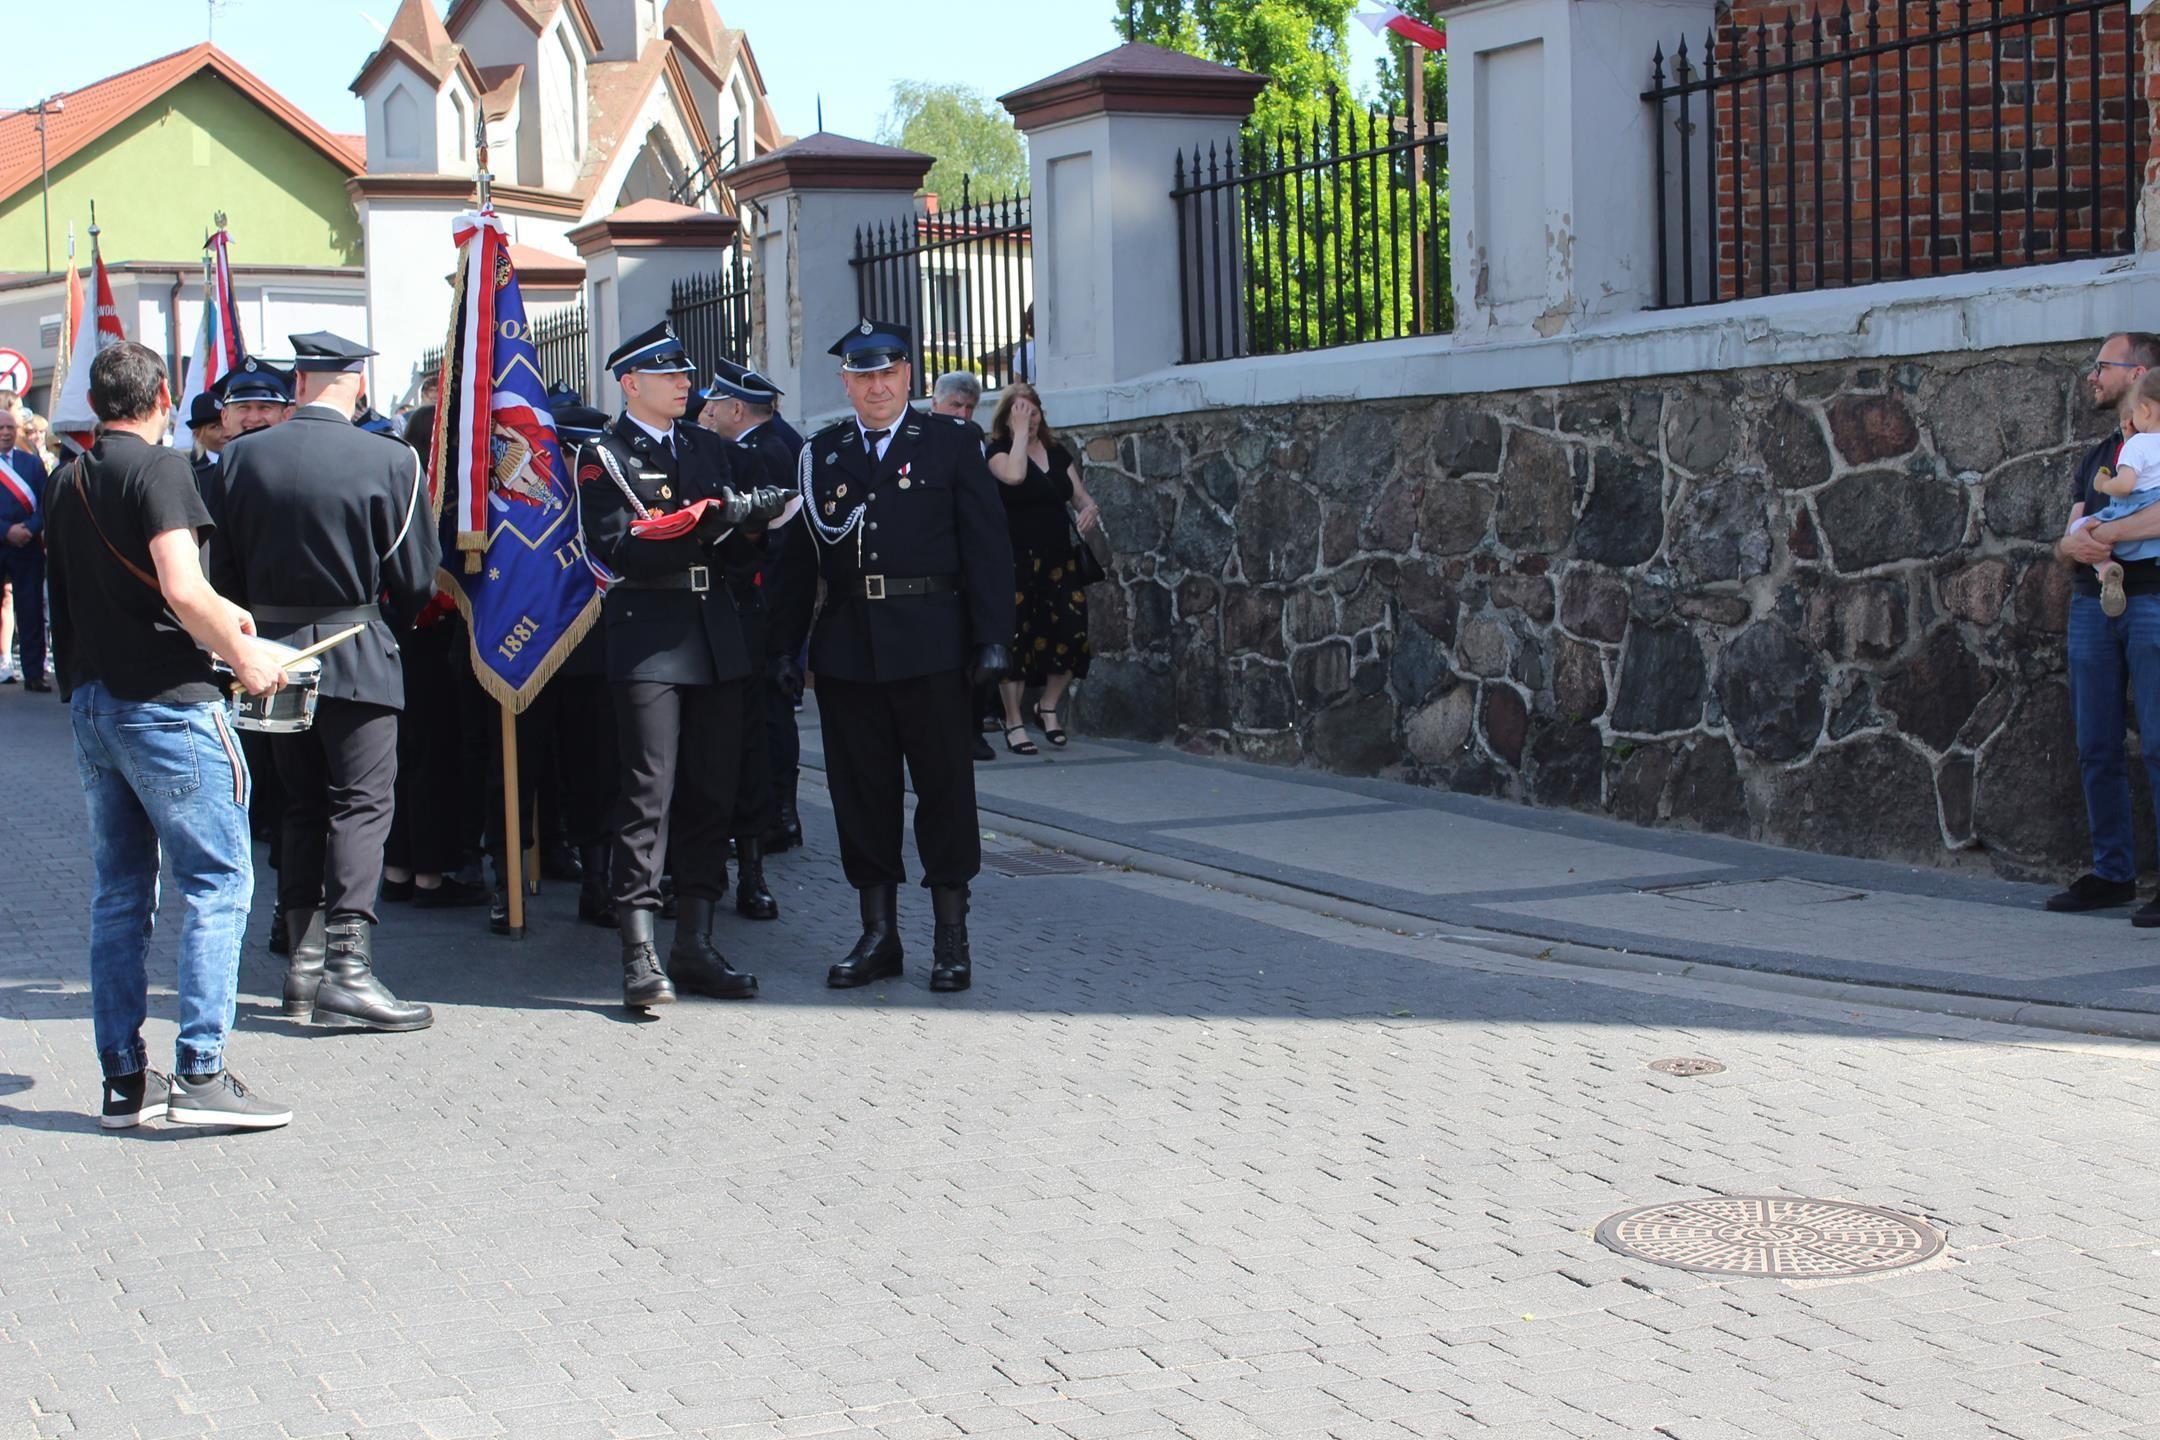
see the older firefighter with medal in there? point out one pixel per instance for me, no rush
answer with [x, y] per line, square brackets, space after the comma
[662, 502]
[906, 529]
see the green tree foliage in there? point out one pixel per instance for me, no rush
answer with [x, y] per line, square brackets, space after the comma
[1344, 219]
[971, 137]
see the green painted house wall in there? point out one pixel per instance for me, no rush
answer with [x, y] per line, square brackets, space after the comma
[157, 177]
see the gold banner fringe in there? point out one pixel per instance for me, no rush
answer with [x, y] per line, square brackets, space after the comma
[573, 635]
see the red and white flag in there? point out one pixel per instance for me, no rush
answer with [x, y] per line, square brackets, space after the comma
[1391, 18]
[219, 345]
[96, 326]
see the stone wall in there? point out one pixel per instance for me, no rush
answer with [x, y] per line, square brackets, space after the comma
[1811, 605]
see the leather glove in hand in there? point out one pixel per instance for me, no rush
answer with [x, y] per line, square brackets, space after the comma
[786, 676]
[714, 523]
[991, 662]
[767, 502]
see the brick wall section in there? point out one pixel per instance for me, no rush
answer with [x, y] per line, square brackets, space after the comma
[1929, 173]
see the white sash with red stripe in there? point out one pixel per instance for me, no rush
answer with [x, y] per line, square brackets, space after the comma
[16, 486]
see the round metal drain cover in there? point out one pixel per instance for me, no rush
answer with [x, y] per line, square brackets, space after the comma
[1780, 1237]
[1693, 1065]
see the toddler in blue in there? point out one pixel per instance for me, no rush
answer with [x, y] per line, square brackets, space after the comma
[2132, 485]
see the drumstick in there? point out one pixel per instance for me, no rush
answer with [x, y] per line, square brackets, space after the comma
[313, 650]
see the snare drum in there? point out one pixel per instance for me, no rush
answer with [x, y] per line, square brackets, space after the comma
[288, 712]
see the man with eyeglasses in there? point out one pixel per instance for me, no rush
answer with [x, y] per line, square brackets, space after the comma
[2108, 655]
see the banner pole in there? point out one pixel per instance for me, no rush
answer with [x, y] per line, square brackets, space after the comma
[513, 843]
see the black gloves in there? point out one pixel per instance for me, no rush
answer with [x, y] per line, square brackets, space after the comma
[713, 524]
[764, 503]
[991, 663]
[786, 676]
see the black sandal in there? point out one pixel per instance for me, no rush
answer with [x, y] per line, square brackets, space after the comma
[1025, 747]
[1052, 733]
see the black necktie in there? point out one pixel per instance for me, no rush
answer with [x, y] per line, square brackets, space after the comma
[871, 439]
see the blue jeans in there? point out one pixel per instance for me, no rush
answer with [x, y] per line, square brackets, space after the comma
[2107, 656]
[170, 778]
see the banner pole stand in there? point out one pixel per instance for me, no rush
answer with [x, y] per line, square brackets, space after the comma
[513, 843]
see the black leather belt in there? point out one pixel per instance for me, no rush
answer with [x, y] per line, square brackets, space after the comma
[697, 578]
[316, 614]
[881, 587]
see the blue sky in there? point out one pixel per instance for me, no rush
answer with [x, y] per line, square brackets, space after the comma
[850, 52]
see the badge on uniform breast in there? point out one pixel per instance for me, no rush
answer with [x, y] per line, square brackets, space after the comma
[841, 493]
[831, 506]
[832, 459]
[904, 481]
[666, 493]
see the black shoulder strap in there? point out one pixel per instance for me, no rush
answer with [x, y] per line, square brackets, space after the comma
[82, 495]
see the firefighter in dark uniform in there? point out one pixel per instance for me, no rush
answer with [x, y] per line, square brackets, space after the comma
[318, 522]
[253, 395]
[739, 405]
[675, 657]
[586, 762]
[206, 427]
[909, 535]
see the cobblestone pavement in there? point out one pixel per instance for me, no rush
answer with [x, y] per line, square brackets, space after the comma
[1182, 1164]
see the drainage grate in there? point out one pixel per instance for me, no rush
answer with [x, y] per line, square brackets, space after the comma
[1023, 863]
[1689, 1065]
[1779, 1237]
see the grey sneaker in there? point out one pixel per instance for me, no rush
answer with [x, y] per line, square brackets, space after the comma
[221, 1099]
[132, 1099]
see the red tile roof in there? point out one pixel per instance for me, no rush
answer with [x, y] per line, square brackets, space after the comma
[96, 108]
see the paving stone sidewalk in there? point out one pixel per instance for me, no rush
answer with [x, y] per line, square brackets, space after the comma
[1182, 1164]
[1468, 863]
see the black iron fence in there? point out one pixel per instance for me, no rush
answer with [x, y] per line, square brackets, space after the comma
[711, 314]
[1312, 237]
[962, 280]
[561, 340]
[1895, 140]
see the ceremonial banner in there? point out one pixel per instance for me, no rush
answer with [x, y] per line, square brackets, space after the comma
[524, 586]
[219, 345]
[96, 326]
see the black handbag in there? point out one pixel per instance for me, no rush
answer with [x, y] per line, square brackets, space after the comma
[1089, 567]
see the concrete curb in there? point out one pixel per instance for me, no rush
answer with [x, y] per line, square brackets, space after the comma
[2071, 1019]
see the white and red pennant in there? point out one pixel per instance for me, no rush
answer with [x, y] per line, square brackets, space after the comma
[1391, 18]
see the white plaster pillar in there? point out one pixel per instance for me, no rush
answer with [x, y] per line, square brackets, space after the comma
[632, 260]
[1551, 159]
[800, 207]
[1103, 139]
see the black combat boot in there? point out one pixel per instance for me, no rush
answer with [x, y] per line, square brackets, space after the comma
[644, 983]
[786, 831]
[696, 965]
[280, 934]
[304, 965]
[877, 954]
[594, 906]
[753, 901]
[350, 994]
[951, 968]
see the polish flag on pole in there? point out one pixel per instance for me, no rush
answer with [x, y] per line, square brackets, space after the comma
[219, 345]
[1417, 32]
[96, 326]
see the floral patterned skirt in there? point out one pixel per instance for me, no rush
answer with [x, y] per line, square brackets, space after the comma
[1052, 637]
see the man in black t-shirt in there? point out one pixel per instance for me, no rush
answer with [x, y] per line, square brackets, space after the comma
[161, 768]
[2108, 655]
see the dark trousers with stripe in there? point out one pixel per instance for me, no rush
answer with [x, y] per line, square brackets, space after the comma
[874, 728]
[340, 778]
[694, 731]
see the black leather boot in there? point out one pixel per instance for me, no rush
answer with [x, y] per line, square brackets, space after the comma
[594, 906]
[304, 963]
[951, 967]
[644, 983]
[753, 901]
[350, 994]
[877, 954]
[280, 934]
[697, 966]
[786, 832]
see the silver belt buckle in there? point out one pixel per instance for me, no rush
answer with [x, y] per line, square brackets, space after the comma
[700, 579]
[873, 587]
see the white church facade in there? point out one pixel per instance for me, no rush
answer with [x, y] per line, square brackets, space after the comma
[590, 106]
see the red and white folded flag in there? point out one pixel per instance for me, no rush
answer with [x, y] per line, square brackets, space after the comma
[1417, 32]
[672, 526]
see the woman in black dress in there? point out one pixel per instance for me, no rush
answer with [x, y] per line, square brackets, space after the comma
[1038, 479]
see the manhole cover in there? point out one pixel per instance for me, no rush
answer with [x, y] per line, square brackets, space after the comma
[1686, 1066]
[1779, 1237]
[1022, 863]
